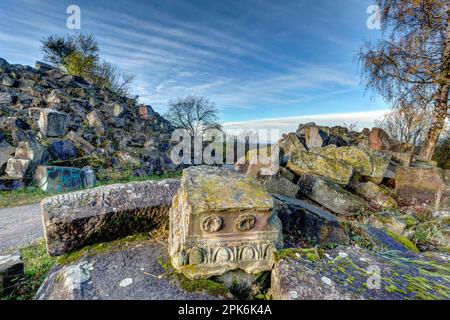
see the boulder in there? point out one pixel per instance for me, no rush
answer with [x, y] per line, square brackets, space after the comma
[3, 161]
[358, 159]
[388, 239]
[32, 151]
[96, 120]
[290, 144]
[130, 271]
[404, 158]
[220, 221]
[305, 162]
[88, 177]
[418, 186]
[9, 184]
[4, 65]
[330, 195]
[41, 66]
[279, 185]
[63, 150]
[380, 140]
[6, 98]
[146, 112]
[83, 144]
[357, 274]
[305, 223]
[313, 135]
[374, 194]
[380, 163]
[11, 272]
[260, 162]
[17, 168]
[104, 213]
[8, 81]
[52, 123]
[58, 179]
[6, 148]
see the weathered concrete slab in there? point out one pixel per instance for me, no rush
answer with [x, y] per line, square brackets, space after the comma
[220, 221]
[129, 273]
[76, 219]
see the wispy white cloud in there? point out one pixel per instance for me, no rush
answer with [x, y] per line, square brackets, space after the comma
[290, 124]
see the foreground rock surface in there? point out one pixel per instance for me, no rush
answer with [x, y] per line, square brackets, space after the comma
[220, 221]
[132, 273]
[347, 274]
[105, 213]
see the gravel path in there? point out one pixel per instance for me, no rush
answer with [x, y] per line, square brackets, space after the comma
[20, 226]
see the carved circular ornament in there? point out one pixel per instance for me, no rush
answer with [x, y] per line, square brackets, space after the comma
[212, 224]
[245, 222]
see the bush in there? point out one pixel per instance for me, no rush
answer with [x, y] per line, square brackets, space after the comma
[79, 55]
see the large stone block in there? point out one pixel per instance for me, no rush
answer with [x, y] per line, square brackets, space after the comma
[220, 221]
[58, 179]
[52, 123]
[350, 274]
[303, 222]
[17, 168]
[418, 186]
[32, 151]
[76, 219]
[358, 159]
[6, 148]
[3, 161]
[374, 194]
[306, 162]
[330, 195]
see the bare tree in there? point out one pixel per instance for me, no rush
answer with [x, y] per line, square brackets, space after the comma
[194, 114]
[411, 63]
[407, 124]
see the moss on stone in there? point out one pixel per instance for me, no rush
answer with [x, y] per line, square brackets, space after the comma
[403, 241]
[313, 255]
[201, 285]
[100, 248]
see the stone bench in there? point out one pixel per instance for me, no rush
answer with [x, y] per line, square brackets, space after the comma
[105, 213]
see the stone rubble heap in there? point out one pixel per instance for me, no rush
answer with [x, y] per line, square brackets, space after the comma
[48, 118]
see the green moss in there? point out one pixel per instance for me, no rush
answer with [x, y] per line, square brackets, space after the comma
[403, 241]
[312, 255]
[202, 285]
[100, 248]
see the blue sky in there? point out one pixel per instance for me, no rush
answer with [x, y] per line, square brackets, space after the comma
[257, 60]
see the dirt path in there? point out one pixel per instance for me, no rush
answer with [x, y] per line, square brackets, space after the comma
[20, 226]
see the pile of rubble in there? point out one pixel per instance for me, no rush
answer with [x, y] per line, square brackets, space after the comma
[62, 122]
